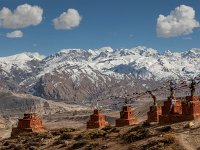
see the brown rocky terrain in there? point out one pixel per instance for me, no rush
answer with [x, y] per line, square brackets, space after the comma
[14, 105]
[140, 137]
[86, 91]
[68, 131]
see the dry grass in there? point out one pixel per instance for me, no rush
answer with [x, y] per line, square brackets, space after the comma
[127, 138]
[135, 134]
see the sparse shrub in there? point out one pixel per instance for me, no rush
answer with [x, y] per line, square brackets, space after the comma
[12, 145]
[91, 134]
[146, 124]
[58, 141]
[154, 145]
[136, 147]
[81, 136]
[62, 130]
[36, 139]
[165, 129]
[115, 130]
[97, 134]
[160, 144]
[92, 146]
[5, 148]
[78, 145]
[32, 148]
[168, 139]
[67, 130]
[135, 129]
[104, 147]
[110, 129]
[75, 113]
[6, 143]
[25, 141]
[107, 128]
[63, 145]
[136, 134]
[55, 133]
[33, 143]
[19, 147]
[66, 136]
[45, 135]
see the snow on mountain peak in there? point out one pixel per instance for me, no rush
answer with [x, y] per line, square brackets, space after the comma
[72, 71]
[140, 50]
[168, 53]
[193, 53]
[26, 56]
[19, 60]
[145, 51]
[105, 50]
[139, 61]
[35, 55]
[195, 50]
[69, 50]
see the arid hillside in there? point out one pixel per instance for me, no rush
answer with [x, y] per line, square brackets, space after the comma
[140, 137]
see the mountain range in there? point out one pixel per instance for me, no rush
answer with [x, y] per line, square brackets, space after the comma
[77, 75]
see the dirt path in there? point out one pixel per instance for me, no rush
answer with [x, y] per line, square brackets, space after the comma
[190, 139]
[183, 139]
[5, 133]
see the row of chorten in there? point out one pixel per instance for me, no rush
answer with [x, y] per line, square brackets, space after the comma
[180, 111]
[168, 113]
[172, 111]
[31, 122]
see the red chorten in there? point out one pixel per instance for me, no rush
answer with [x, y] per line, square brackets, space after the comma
[30, 123]
[154, 113]
[171, 113]
[97, 120]
[126, 117]
[191, 108]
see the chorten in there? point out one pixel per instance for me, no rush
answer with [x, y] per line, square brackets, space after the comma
[172, 108]
[191, 108]
[97, 120]
[126, 117]
[155, 111]
[31, 122]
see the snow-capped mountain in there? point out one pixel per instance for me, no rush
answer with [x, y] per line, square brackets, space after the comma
[19, 60]
[140, 62]
[17, 68]
[76, 74]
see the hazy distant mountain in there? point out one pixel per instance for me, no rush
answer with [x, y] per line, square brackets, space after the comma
[85, 75]
[15, 104]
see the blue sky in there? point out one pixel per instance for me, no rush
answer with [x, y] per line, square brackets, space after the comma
[115, 23]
